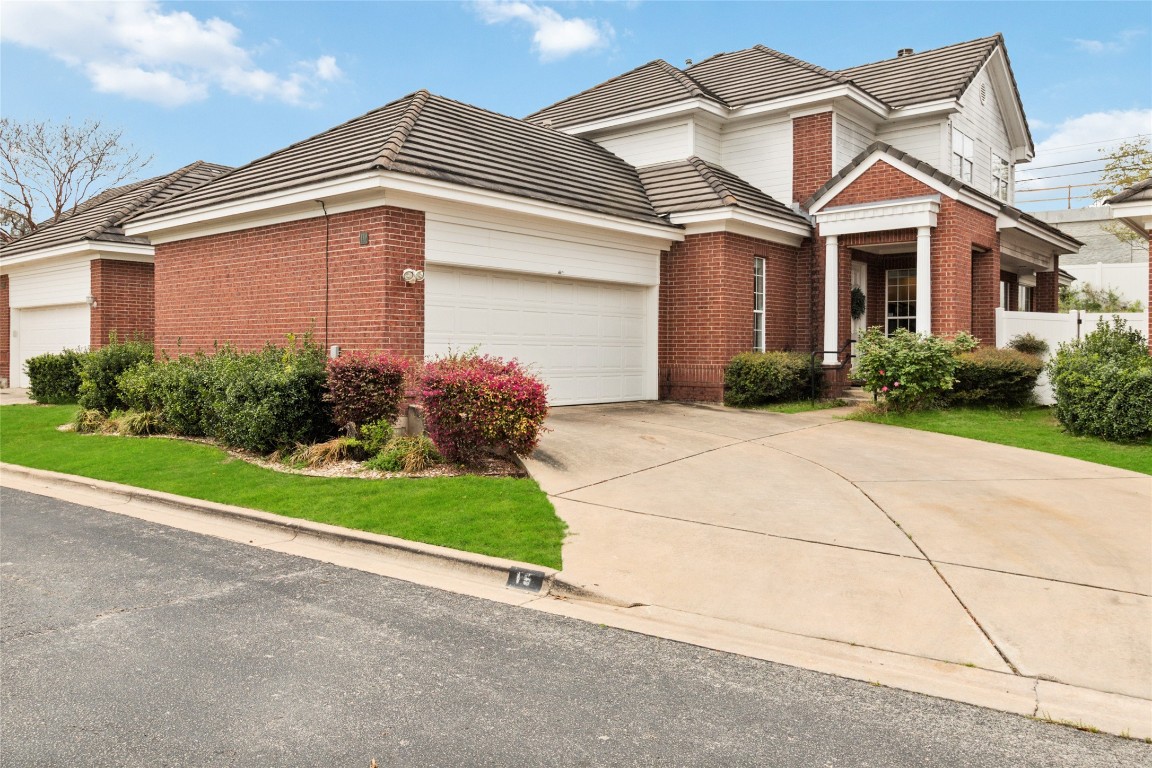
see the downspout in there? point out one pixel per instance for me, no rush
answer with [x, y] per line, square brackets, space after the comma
[326, 242]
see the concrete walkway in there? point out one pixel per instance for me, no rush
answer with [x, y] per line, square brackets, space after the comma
[1034, 566]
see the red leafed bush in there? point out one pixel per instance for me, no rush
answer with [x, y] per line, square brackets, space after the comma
[474, 404]
[364, 387]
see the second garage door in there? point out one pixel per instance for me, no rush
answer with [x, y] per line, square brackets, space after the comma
[37, 330]
[587, 340]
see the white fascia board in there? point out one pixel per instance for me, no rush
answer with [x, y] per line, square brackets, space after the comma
[907, 213]
[741, 222]
[366, 190]
[1047, 240]
[1136, 214]
[978, 202]
[676, 109]
[1015, 121]
[88, 250]
[813, 102]
[927, 109]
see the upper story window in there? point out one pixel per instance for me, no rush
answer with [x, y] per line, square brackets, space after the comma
[963, 150]
[758, 304]
[1001, 173]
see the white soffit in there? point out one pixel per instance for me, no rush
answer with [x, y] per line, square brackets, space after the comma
[742, 222]
[85, 249]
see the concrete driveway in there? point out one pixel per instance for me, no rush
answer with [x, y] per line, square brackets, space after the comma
[942, 548]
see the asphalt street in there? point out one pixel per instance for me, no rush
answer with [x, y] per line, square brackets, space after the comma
[126, 643]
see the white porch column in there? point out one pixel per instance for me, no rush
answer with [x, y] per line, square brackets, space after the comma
[831, 299]
[924, 280]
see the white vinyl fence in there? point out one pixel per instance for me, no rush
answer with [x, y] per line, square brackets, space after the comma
[1056, 329]
[1130, 281]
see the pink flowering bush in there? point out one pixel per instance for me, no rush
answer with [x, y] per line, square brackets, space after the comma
[908, 370]
[365, 387]
[475, 404]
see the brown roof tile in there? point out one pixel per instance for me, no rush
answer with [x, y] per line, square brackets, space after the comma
[696, 185]
[1141, 190]
[940, 73]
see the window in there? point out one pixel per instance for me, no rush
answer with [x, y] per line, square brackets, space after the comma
[1005, 286]
[901, 299]
[1001, 172]
[963, 150]
[758, 304]
[1027, 296]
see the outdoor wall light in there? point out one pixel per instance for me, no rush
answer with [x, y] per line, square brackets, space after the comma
[91, 300]
[412, 275]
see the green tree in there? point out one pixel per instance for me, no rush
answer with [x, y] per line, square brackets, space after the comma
[1128, 164]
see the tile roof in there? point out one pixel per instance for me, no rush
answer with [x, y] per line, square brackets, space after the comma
[941, 73]
[434, 137]
[650, 85]
[696, 185]
[1141, 190]
[951, 182]
[760, 74]
[100, 217]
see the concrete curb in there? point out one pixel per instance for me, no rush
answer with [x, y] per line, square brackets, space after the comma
[478, 567]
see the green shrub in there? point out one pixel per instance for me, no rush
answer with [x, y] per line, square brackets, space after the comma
[989, 376]
[375, 436]
[1103, 384]
[908, 370]
[1029, 344]
[270, 399]
[755, 378]
[406, 454]
[102, 367]
[54, 377]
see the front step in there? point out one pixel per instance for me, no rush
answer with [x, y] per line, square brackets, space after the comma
[856, 395]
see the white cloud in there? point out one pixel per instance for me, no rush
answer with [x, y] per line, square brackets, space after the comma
[140, 51]
[1121, 43]
[1062, 157]
[554, 37]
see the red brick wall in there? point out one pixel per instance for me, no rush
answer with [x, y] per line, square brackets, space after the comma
[1048, 288]
[811, 154]
[706, 309]
[124, 301]
[965, 271]
[5, 333]
[258, 285]
[881, 182]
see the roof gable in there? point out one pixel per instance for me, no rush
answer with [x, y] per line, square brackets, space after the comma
[434, 137]
[696, 185]
[760, 74]
[100, 218]
[941, 73]
[654, 84]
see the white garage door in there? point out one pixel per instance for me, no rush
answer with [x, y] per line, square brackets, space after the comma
[46, 329]
[587, 340]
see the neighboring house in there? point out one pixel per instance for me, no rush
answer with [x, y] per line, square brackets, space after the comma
[72, 283]
[1105, 260]
[629, 240]
[1133, 207]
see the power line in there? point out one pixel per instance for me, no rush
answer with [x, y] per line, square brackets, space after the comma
[1057, 176]
[1062, 186]
[1082, 162]
[1102, 143]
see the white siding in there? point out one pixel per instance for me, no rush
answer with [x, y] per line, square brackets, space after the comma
[42, 286]
[922, 140]
[760, 152]
[522, 245]
[660, 143]
[984, 123]
[851, 139]
[707, 142]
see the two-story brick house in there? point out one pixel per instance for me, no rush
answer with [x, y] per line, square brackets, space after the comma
[629, 240]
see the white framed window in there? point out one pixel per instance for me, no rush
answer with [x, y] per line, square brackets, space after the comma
[758, 285]
[1001, 175]
[963, 151]
[1027, 296]
[1005, 286]
[901, 293]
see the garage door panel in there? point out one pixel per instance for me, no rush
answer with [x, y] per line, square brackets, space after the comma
[39, 330]
[586, 340]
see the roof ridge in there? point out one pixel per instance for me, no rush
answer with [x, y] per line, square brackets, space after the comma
[718, 186]
[990, 38]
[131, 207]
[395, 141]
[804, 64]
[622, 75]
[994, 42]
[688, 82]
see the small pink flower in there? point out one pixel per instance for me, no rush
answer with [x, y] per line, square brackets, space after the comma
[882, 373]
[884, 389]
[896, 384]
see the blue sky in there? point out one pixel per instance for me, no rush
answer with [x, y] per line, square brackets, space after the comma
[231, 81]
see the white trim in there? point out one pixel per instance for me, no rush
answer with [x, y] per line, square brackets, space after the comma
[87, 249]
[926, 108]
[1015, 124]
[760, 286]
[1062, 244]
[802, 100]
[908, 213]
[367, 190]
[742, 222]
[676, 109]
[831, 300]
[924, 280]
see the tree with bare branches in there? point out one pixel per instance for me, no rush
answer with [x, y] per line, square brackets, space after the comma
[47, 169]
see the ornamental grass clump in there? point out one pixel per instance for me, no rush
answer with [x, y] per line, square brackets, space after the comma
[477, 404]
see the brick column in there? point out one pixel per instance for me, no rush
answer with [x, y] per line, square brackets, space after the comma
[1048, 288]
[811, 154]
[124, 301]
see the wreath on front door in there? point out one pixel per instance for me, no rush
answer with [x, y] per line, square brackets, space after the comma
[859, 303]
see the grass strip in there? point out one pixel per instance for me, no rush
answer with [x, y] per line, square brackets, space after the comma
[1034, 428]
[503, 517]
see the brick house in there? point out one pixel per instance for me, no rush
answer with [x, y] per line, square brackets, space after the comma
[629, 240]
[72, 283]
[1133, 206]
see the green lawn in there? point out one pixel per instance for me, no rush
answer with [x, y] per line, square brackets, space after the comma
[1033, 428]
[503, 517]
[799, 406]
